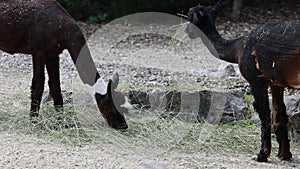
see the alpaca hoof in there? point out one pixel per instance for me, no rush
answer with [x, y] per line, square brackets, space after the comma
[59, 108]
[285, 156]
[261, 158]
[33, 117]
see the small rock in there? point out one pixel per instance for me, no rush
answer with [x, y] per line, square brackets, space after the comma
[155, 166]
[230, 71]
[152, 78]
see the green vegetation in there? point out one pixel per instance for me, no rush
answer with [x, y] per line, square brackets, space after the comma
[106, 10]
[249, 100]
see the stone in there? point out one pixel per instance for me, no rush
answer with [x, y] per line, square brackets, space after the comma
[158, 100]
[223, 107]
[206, 106]
[139, 99]
[230, 71]
[292, 103]
[225, 70]
[189, 106]
[173, 101]
[293, 111]
[236, 107]
[294, 126]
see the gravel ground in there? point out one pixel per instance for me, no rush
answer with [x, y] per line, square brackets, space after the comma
[144, 60]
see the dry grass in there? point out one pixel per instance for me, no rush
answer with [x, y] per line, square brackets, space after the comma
[147, 129]
[151, 137]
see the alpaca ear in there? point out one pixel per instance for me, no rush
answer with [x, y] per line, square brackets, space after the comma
[109, 88]
[113, 83]
[220, 5]
[195, 15]
[198, 16]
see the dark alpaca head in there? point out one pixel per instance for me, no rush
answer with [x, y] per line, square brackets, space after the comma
[112, 104]
[202, 18]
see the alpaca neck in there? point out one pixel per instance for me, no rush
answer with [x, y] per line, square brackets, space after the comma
[82, 58]
[227, 50]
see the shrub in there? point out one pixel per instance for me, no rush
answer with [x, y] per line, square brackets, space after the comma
[106, 10]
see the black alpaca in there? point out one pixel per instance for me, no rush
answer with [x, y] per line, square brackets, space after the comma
[269, 56]
[43, 29]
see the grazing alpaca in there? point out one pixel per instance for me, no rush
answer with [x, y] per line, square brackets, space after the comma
[269, 56]
[43, 29]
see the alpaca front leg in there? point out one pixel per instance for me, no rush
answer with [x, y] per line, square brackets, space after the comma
[37, 86]
[280, 120]
[52, 65]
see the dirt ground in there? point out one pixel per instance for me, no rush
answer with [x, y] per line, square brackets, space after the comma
[23, 151]
[189, 58]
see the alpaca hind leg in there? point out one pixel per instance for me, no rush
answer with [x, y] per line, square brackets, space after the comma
[280, 120]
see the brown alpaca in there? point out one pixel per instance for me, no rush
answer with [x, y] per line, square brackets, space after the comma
[269, 56]
[43, 29]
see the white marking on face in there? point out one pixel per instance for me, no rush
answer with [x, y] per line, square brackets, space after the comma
[100, 87]
[127, 104]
